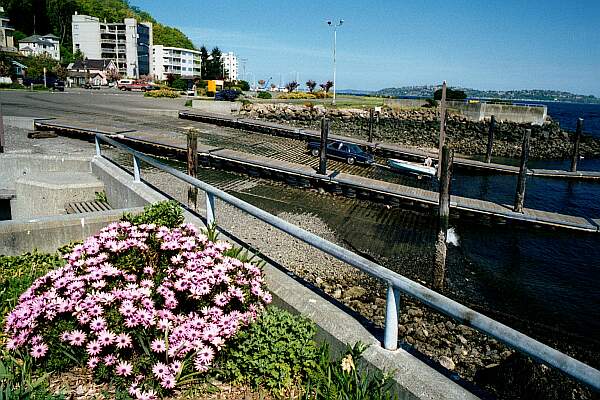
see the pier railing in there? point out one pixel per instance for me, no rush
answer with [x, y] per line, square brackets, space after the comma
[396, 284]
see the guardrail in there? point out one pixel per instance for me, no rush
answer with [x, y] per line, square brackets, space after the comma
[396, 284]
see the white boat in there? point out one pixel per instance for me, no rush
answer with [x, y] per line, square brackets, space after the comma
[415, 168]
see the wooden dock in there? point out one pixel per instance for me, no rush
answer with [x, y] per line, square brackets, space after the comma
[164, 144]
[383, 149]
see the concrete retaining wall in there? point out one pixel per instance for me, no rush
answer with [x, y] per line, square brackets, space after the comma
[503, 112]
[219, 107]
[46, 234]
[15, 166]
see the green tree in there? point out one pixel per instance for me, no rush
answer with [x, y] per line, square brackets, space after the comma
[244, 85]
[214, 65]
[204, 61]
[326, 86]
[36, 65]
[311, 85]
[451, 94]
[5, 65]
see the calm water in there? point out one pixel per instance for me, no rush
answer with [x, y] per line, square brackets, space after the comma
[567, 113]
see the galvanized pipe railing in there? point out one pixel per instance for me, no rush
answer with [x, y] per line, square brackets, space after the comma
[396, 283]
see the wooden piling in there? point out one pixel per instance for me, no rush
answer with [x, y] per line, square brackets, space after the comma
[439, 269]
[575, 159]
[1, 131]
[520, 194]
[323, 149]
[442, 128]
[371, 122]
[490, 144]
[192, 165]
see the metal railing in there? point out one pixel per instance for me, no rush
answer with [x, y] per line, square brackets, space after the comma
[396, 284]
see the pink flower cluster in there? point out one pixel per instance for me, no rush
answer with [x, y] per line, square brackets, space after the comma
[130, 288]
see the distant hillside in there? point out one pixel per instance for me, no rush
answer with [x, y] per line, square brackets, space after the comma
[529, 94]
[54, 16]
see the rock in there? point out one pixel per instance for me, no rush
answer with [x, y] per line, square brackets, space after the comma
[447, 363]
[462, 339]
[355, 291]
[337, 294]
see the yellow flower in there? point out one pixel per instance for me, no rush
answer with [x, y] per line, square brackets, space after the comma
[347, 363]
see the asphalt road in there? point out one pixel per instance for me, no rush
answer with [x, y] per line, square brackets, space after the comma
[71, 103]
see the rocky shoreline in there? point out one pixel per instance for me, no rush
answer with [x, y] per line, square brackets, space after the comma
[419, 127]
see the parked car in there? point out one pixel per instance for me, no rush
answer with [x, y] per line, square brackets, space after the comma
[349, 152]
[123, 84]
[227, 95]
[91, 86]
[59, 85]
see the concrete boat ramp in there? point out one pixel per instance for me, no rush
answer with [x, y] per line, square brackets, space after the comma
[172, 144]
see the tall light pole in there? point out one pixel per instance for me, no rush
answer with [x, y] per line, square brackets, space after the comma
[335, 28]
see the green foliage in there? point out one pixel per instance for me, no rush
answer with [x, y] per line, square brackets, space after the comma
[275, 352]
[163, 213]
[213, 68]
[188, 103]
[179, 84]
[36, 65]
[172, 37]
[348, 378]
[17, 273]
[243, 85]
[101, 196]
[451, 94]
[210, 93]
[264, 95]
[171, 94]
[431, 103]
[14, 85]
[17, 381]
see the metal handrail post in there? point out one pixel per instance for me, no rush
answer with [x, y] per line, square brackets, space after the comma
[97, 143]
[136, 169]
[210, 209]
[392, 309]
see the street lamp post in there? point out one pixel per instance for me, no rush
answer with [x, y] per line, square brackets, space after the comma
[335, 28]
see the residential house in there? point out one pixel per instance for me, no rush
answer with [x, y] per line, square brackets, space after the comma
[96, 72]
[36, 45]
[230, 66]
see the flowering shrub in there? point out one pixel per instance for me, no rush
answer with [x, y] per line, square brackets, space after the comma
[148, 306]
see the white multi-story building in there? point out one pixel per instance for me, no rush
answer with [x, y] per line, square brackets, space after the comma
[36, 45]
[127, 43]
[230, 66]
[174, 60]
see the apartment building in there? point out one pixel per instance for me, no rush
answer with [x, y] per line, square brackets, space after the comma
[126, 43]
[230, 66]
[174, 60]
[36, 45]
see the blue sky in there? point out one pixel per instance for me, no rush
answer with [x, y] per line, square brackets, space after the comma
[484, 44]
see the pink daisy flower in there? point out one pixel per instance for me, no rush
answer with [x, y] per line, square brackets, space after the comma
[93, 362]
[158, 346]
[123, 368]
[123, 340]
[160, 370]
[39, 350]
[76, 338]
[93, 347]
